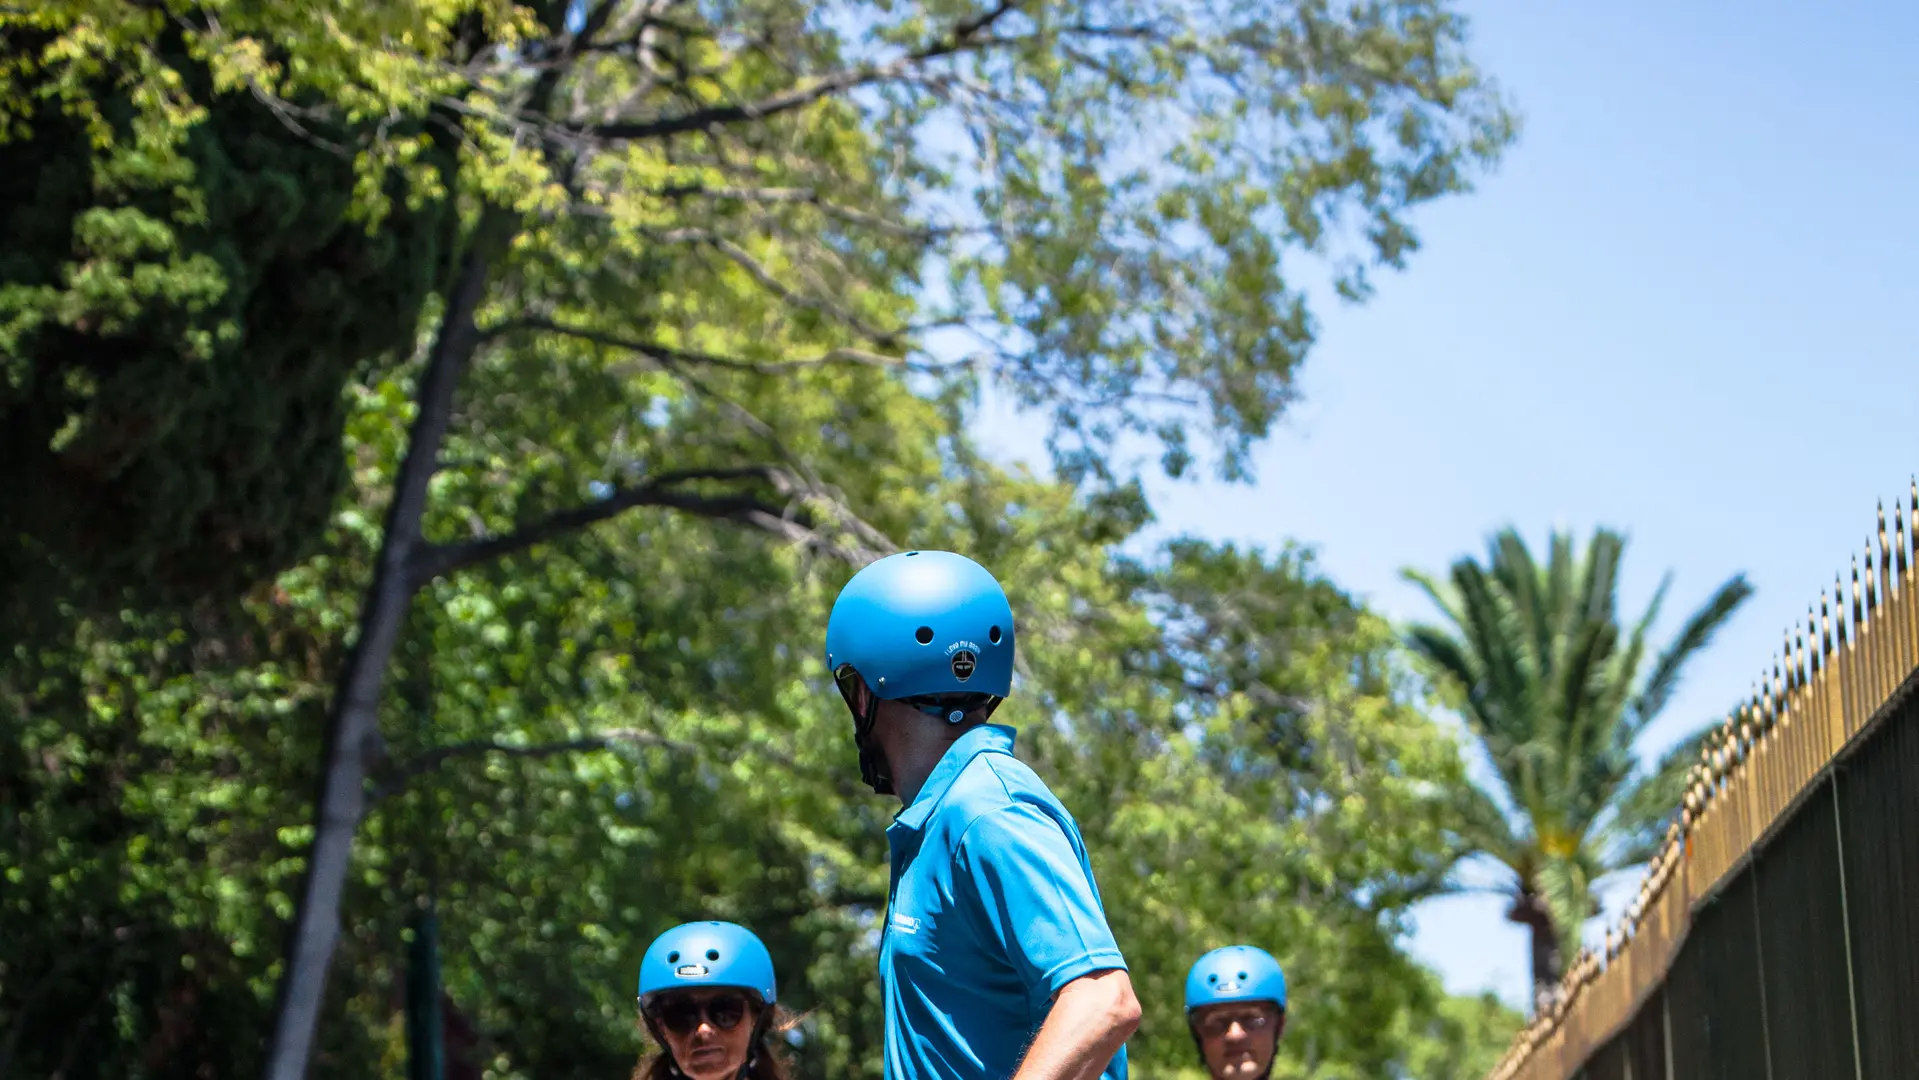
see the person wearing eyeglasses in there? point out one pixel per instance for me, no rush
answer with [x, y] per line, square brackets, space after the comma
[707, 996]
[1236, 1008]
[996, 960]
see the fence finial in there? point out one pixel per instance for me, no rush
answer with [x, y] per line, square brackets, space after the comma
[1872, 585]
[1899, 545]
[1839, 607]
[1799, 652]
[1885, 556]
[1792, 683]
[1858, 608]
[1825, 624]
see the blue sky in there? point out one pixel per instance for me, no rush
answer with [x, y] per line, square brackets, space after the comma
[1684, 306]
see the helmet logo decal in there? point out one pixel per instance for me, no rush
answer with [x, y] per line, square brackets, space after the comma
[965, 659]
[691, 971]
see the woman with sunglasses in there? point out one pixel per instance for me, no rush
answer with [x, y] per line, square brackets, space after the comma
[707, 997]
[1236, 1008]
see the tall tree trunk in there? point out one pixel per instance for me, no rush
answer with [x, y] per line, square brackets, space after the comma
[1529, 910]
[353, 736]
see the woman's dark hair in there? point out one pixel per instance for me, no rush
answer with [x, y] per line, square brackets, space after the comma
[769, 1056]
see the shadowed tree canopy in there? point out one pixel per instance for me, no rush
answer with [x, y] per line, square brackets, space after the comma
[180, 310]
[1558, 690]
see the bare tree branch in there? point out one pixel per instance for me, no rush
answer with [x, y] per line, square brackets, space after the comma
[397, 777]
[664, 490]
[667, 355]
[964, 36]
[811, 197]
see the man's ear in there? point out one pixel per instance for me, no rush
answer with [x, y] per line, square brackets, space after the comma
[1280, 1031]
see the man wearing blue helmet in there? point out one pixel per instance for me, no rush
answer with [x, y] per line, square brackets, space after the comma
[996, 960]
[1236, 1008]
[708, 997]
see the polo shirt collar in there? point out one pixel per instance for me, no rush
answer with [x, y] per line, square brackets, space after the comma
[984, 739]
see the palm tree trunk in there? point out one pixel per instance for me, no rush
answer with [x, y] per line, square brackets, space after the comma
[1529, 910]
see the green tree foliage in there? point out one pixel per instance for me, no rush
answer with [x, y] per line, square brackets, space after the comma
[724, 278]
[1558, 690]
[182, 298]
[1258, 761]
[187, 285]
[632, 727]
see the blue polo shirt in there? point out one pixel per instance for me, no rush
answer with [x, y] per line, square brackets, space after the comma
[992, 910]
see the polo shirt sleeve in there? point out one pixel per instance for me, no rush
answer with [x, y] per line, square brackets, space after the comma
[1016, 868]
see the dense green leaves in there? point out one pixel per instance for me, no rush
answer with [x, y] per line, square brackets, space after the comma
[736, 272]
[598, 739]
[182, 299]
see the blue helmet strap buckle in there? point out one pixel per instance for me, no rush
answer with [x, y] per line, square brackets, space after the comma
[953, 708]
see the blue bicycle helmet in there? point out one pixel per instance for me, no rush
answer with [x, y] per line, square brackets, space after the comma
[930, 628]
[1235, 973]
[707, 954]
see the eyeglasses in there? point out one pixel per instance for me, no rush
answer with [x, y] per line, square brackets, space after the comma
[1219, 1024]
[683, 1015]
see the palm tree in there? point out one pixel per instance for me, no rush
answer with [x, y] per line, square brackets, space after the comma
[1558, 691]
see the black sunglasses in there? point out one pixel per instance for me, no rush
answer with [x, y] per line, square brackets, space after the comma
[683, 1015]
[1220, 1023]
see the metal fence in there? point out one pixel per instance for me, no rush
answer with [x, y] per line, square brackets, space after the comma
[1776, 936]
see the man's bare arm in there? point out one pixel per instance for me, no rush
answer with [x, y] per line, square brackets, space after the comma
[1092, 1018]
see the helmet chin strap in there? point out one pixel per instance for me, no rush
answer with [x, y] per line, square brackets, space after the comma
[873, 768]
[753, 1044]
[665, 1047]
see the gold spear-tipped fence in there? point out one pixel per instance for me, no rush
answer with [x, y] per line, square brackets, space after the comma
[1839, 692]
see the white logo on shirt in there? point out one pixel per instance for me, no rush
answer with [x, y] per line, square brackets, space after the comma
[905, 924]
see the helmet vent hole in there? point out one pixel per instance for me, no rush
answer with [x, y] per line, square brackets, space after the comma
[924, 635]
[714, 954]
[1212, 978]
[993, 635]
[673, 957]
[1242, 976]
[910, 554]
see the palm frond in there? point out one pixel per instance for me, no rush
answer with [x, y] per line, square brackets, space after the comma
[1694, 636]
[1648, 804]
[1562, 564]
[1485, 828]
[1519, 575]
[1440, 594]
[1599, 577]
[1626, 667]
[1490, 629]
[1450, 658]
